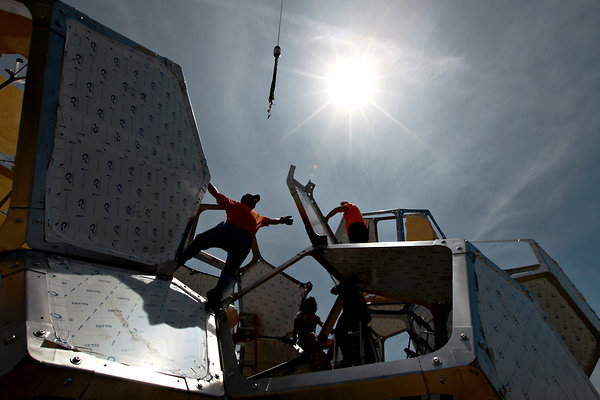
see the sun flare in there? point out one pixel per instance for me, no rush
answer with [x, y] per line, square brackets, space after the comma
[351, 84]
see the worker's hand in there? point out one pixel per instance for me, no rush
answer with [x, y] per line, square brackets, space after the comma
[286, 220]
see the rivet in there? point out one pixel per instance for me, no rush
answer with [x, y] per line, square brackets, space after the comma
[40, 333]
[464, 337]
[443, 380]
[10, 339]
[76, 360]
[436, 361]
[67, 381]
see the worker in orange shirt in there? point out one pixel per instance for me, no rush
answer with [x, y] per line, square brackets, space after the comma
[235, 236]
[356, 227]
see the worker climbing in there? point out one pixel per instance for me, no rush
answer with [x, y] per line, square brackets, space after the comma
[276, 54]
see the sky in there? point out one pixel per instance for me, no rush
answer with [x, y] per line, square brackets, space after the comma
[484, 112]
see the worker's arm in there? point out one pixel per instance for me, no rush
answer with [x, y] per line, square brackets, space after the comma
[335, 211]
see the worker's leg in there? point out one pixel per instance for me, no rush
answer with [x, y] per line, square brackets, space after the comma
[236, 255]
[214, 237]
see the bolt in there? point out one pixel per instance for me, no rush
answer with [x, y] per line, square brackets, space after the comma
[459, 248]
[40, 333]
[436, 361]
[199, 386]
[443, 380]
[217, 376]
[10, 339]
[36, 221]
[67, 381]
[76, 360]
[464, 337]
[255, 387]
[230, 373]
[481, 344]
[18, 220]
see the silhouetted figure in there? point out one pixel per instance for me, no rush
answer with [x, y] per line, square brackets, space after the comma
[305, 325]
[352, 325]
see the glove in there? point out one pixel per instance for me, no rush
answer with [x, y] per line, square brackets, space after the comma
[286, 220]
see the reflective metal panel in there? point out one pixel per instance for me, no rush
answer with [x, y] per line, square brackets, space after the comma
[131, 319]
[316, 227]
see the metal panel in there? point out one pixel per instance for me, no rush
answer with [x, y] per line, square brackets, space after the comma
[87, 330]
[198, 281]
[577, 324]
[109, 162]
[127, 318]
[316, 227]
[388, 320]
[573, 329]
[500, 346]
[387, 325]
[528, 356]
[127, 168]
[275, 303]
[415, 273]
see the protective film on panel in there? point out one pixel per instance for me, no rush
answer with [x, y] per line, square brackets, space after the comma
[529, 357]
[132, 319]
[127, 169]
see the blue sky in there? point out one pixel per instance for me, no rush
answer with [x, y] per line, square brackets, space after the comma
[484, 112]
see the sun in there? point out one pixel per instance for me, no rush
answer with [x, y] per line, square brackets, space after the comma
[351, 83]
